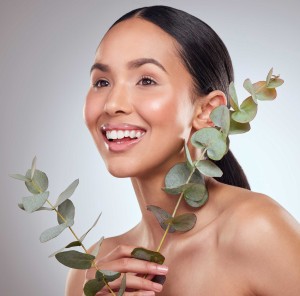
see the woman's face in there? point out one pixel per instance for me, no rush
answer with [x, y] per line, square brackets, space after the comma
[139, 108]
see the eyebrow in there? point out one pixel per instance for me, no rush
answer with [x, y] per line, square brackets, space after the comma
[131, 65]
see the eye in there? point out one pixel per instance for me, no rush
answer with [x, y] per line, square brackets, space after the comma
[101, 83]
[147, 80]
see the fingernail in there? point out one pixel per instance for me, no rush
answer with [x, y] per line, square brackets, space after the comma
[162, 269]
[157, 287]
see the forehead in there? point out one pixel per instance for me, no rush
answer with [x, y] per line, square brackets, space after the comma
[136, 38]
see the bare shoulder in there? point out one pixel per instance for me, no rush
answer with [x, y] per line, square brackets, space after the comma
[261, 236]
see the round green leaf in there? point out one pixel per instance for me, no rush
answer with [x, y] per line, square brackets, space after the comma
[220, 116]
[275, 82]
[263, 92]
[196, 195]
[238, 128]
[247, 111]
[162, 216]
[75, 259]
[92, 287]
[33, 203]
[208, 168]
[67, 210]
[38, 184]
[184, 222]
[148, 255]
[211, 139]
[110, 275]
[177, 175]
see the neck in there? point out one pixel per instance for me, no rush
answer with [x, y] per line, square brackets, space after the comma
[149, 192]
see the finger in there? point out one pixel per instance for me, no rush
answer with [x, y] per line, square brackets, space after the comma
[134, 266]
[137, 283]
[136, 293]
[118, 252]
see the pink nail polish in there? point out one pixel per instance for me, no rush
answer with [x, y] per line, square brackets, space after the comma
[162, 269]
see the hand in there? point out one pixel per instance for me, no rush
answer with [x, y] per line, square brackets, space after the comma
[120, 260]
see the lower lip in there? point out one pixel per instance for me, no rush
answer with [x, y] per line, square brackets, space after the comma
[121, 145]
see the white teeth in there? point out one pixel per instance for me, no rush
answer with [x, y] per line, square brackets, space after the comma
[132, 134]
[113, 135]
[120, 134]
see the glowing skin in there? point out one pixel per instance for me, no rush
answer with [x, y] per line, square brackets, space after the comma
[156, 100]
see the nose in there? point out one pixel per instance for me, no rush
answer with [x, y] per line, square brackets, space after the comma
[118, 101]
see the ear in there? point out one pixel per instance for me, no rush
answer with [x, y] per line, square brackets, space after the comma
[204, 106]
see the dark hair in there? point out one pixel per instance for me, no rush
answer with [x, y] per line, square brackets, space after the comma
[206, 58]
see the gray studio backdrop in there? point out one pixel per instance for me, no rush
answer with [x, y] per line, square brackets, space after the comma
[47, 48]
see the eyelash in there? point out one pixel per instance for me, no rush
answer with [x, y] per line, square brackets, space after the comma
[98, 83]
[149, 79]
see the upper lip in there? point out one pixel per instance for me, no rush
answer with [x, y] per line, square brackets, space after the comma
[120, 126]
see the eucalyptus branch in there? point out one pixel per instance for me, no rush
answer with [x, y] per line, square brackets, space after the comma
[37, 183]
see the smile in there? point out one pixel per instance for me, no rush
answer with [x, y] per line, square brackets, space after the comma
[121, 134]
[121, 137]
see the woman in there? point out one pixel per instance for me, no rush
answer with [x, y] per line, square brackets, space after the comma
[158, 74]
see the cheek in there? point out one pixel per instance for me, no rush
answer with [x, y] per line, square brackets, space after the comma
[91, 109]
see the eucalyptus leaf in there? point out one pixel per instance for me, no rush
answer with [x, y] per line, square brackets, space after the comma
[67, 211]
[220, 116]
[110, 276]
[196, 195]
[275, 82]
[238, 128]
[39, 182]
[97, 247]
[188, 157]
[33, 167]
[148, 255]
[233, 99]
[75, 259]
[175, 190]
[208, 168]
[211, 139]
[19, 177]
[162, 216]
[177, 175]
[34, 202]
[52, 232]
[250, 88]
[95, 223]
[67, 193]
[123, 286]
[70, 245]
[269, 76]
[184, 222]
[247, 111]
[92, 287]
[263, 92]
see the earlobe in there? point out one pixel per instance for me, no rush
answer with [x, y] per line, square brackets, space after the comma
[204, 106]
